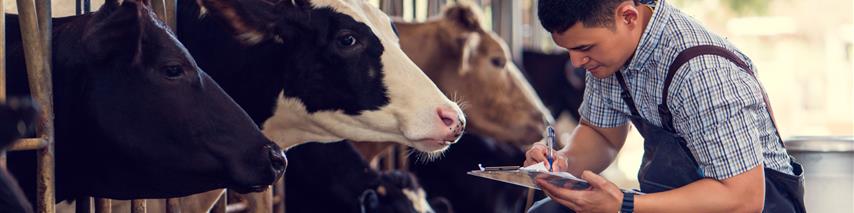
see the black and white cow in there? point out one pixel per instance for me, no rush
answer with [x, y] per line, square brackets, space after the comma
[135, 117]
[319, 70]
[16, 117]
[334, 178]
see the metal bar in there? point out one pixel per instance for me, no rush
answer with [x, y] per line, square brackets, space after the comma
[3, 52]
[78, 7]
[507, 22]
[221, 205]
[102, 205]
[392, 7]
[279, 196]
[137, 206]
[87, 6]
[83, 205]
[159, 9]
[45, 184]
[435, 7]
[29, 144]
[402, 158]
[388, 162]
[171, 18]
[3, 68]
[173, 205]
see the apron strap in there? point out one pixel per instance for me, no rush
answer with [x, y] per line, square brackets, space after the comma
[690, 53]
[626, 96]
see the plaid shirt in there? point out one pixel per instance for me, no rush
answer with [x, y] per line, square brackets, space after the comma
[717, 107]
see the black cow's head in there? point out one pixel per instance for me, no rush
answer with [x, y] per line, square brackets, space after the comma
[397, 191]
[153, 114]
[345, 76]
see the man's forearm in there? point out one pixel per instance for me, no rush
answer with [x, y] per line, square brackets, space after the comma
[592, 150]
[743, 193]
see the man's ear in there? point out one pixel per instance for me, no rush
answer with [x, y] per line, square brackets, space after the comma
[627, 13]
[115, 32]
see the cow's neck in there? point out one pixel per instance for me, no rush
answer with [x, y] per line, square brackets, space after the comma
[244, 72]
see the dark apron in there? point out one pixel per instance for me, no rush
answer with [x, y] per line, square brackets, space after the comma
[668, 163]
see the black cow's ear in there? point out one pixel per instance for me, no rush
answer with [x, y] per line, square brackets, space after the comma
[248, 28]
[369, 201]
[115, 33]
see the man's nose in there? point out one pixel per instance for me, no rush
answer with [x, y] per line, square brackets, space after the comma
[578, 59]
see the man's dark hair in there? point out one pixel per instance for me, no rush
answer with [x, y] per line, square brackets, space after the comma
[559, 15]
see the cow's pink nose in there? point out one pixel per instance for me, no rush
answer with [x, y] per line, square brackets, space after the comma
[453, 121]
[448, 116]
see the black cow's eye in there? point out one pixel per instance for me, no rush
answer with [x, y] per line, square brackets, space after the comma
[347, 41]
[173, 72]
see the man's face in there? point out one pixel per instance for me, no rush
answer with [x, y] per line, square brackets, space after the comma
[601, 50]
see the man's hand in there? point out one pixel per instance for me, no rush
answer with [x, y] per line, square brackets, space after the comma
[538, 153]
[602, 196]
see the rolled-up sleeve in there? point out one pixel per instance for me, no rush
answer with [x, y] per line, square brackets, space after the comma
[596, 109]
[720, 115]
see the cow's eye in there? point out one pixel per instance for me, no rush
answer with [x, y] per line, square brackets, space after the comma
[498, 62]
[173, 72]
[347, 40]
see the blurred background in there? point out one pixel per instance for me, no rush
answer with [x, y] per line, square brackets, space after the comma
[804, 51]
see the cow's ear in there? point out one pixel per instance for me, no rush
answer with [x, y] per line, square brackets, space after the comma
[369, 201]
[467, 47]
[115, 32]
[248, 28]
[465, 15]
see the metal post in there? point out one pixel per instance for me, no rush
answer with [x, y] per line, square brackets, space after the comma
[87, 6]
[83, 205]
[392, 7]
[3, 69]
[279, 196]
[35, 33]
[435, 7]
[171, 18]
[137, 206]
[173, 205]
[102, 205]
[507, 22]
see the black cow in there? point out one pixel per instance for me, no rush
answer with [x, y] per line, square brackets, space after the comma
[320, 70]
[134, 115]
[334, 178]
[16, 117]
[447, 177]
[559, 84]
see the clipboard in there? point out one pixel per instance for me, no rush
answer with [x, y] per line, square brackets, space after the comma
[525, 176]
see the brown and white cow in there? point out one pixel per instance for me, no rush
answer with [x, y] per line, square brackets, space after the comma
[473, 64]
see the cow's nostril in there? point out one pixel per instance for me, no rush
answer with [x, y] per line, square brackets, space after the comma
[448, 117]
[277, 159]
[447, 121]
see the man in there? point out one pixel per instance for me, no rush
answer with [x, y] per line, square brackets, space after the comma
[711, 144]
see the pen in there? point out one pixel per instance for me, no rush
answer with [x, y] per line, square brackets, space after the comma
[551, 144]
